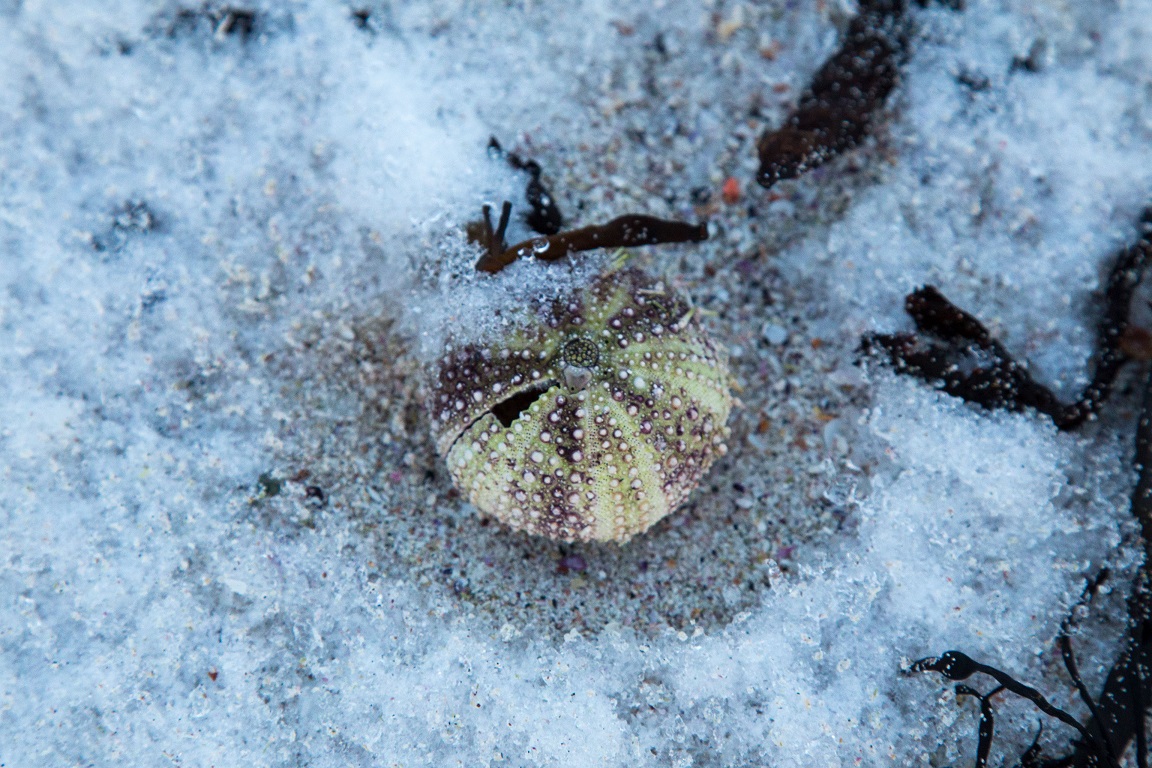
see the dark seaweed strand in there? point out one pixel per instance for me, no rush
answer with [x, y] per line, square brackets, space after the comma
[1064, 641]
[1141, 706]
[1122, 282]
[1065, 644]
[1031, 756]
[838, 108]
[544, 216]
[1128, 687]
[987, 726]
[1142, 493]
[991, 378]
[625, 231]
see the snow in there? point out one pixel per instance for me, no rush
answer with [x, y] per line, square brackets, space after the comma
[229, 258]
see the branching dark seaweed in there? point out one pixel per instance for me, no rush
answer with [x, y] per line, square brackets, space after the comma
[1069, 658]
[1119, 717]
[1127, 691]
[958, 666]
[968, 363]
[965, 361]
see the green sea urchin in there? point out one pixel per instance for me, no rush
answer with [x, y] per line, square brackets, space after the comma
[592, 419]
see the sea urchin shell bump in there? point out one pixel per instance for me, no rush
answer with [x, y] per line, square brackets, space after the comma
[593, 419]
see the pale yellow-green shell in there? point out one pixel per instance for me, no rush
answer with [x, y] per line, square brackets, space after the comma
[616, 402]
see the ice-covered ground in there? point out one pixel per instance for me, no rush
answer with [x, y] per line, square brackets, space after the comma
[229, 241]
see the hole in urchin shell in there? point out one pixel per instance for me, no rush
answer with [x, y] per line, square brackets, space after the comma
[507, 411]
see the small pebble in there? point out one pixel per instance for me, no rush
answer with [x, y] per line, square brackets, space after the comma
[775, 334]
[573, 563]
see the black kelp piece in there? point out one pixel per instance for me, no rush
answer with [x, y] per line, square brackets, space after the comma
[968, 363]
[1118, 719]
[837, 110]
[622, 232]
[964, 360]
[544, 216]
[1127, 689]
[1064, 641]
[959, 666]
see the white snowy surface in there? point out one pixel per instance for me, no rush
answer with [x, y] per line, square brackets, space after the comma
[200, 231]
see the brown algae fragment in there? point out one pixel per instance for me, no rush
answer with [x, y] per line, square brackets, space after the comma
[837, 109]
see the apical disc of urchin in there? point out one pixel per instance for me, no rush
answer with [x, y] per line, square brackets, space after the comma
[593, 418]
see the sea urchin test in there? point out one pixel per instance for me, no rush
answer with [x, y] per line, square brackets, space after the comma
[593, 418]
